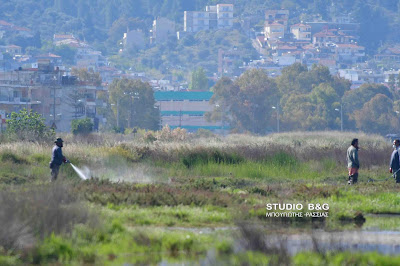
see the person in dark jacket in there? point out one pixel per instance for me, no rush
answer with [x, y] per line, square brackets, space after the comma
[395, 161]
[57, 159]
[352, 162]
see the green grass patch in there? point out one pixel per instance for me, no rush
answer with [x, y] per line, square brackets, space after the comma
[182, 216]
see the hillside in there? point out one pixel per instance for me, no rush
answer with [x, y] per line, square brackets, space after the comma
[101, 21]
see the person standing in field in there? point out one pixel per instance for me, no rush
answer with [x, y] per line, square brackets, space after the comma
[395, 161]
[57, 158]
[352, 162]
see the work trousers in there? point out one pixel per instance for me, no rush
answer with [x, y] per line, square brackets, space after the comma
[353, 176]
[396, 175]
[54, 172]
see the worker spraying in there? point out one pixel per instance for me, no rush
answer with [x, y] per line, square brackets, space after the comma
[57, 159]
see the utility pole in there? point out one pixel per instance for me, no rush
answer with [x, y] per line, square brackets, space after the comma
[277, 116]
[341, 116]
[118, 112]
[54, 105]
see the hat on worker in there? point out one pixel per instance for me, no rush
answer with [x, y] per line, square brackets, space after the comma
[58, 140]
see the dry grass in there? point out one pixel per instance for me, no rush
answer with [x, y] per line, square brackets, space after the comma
[304, 146]
[32, 213]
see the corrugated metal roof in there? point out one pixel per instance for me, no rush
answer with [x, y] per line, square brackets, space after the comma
[182, 95]
[177, 113]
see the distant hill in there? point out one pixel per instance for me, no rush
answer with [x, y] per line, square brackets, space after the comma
[95, 20]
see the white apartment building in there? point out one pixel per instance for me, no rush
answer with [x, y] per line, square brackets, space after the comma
[274, 31]
[163, 28]
[214, 17]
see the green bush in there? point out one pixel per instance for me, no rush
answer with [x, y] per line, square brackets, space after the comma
[9, 260]
[205, 157]
[8, 156]
[54, 248]
[81, 126]
[26, 125]
[224, 247]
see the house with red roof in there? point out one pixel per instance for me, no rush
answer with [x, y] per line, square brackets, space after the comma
[390, 53]
[301, 32]
[11, 49]
[53, 59]
[351, 53]
[274, 31]
[329, 37]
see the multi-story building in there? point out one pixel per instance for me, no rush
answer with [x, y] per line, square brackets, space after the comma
[186, 109]
[163, 28]
[49, 92]
[134, 39]
[11, 49]
[195, 21]
[214, 17]
[225, 16]
[274, 31]
[280, 16]
[350, 53]
[301, 32]
[329, 37]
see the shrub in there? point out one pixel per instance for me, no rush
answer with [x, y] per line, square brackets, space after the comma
[54, 248]
[166, 134]
[149, 137]
[8, 156]
[81, 126]
[38, 211]
[26, 125]
[202, 156]
[224, 247]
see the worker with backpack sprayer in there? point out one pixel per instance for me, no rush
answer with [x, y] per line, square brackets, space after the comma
[395, 161]
[57, 159]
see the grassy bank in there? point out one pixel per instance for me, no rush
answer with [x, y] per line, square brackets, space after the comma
[182, 201]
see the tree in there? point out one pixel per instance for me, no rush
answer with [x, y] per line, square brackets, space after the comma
[74, 99]
[248, 101]
[28, 125]
[377, 116]
[87, 76]
[81, 126]
[355, 99]
[199, 80]
[67, 53]
[133, 104]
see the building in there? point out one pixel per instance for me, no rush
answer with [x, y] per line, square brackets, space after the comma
[279, 16]
[50, 59]
[389, 54]
[48, 91]
[224, 16]
[301, 32]
[163, 28]
[274, 31]
[350, 53]
[11, 49]
[214, 17]
[134, 39]
[195, 21]
[62, 37]
[329, 37]
[186, 109]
